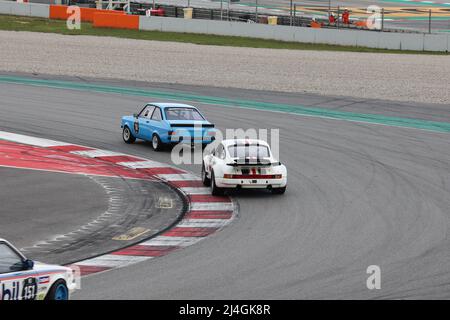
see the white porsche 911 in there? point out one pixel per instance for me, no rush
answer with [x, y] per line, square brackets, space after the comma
[243, 163]
[23, 279]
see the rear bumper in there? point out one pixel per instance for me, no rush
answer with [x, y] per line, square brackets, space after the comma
[251, 183]
[189, 140]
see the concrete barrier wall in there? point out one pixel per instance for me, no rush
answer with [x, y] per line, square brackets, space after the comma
[25, 9]
[371, 39]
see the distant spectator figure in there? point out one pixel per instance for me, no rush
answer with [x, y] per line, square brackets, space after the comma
[332, 18]
[346, 17]
[157, 11]
[315, 24]
[161, 11]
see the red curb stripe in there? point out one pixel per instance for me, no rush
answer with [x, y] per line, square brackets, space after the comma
[207, 198]
[70, 148]
[162, 170]
[189, 232]
[209, 215]
[115, 159]
[85, 270]
[186, 183]
[30, 157]
[147, 251]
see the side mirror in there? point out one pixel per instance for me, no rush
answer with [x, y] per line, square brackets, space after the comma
[28, 264]
[135, 115]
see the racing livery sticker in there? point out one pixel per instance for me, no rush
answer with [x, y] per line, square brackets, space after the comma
[29, 289]
[21, 289]
[44, 280]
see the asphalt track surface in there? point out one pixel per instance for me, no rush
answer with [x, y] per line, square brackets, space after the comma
[358, 194]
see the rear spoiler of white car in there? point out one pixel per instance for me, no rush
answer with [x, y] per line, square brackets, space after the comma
[252, 161]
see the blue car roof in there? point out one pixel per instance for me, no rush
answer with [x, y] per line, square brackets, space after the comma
[164, 105]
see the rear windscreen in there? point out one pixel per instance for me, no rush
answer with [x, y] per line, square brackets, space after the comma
[183, 114]
[243, 151]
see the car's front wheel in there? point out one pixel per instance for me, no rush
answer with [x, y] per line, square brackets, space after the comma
[58, 291]
[206, 181]
[157, 145]
[215, 190]
[127, 135]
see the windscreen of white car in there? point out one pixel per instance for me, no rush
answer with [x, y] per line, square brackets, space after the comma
[10, 261]
[183, 114]
[249, 151]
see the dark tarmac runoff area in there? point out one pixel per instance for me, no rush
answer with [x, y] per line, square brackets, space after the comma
[62, 218]
[37, 205]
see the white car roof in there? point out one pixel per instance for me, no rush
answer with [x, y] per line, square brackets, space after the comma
[171, 105]
[230, 142]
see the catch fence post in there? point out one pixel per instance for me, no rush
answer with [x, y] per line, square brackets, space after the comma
[290, 14]
[429, 21]
[338, 16]
[295, 12]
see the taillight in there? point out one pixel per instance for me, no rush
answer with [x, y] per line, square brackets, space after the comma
[228, 176]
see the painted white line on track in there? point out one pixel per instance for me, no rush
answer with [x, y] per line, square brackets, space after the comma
[213, 206]
[179, 177]
[193, 190]
[143, 164]
[171, 241]
[203, 223]
[97, 153]
[112, 261]
[33, 141]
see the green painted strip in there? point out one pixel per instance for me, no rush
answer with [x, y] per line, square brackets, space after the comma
[249, 104]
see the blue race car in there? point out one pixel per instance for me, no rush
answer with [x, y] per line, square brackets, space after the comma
[168, 123]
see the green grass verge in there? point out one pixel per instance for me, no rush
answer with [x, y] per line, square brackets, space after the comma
[16, 23]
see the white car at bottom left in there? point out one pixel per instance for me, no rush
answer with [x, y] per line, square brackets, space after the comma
[23, 279]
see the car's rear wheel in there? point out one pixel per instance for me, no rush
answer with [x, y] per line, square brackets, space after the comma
[206, 181]
[156, 143]
[58, 291]
[215, 190]
[127, 135]
[281, 190]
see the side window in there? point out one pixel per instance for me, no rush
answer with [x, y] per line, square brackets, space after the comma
[220, 152]
[157, 114]
[217, 152]
[10, 261]
[147, 112]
